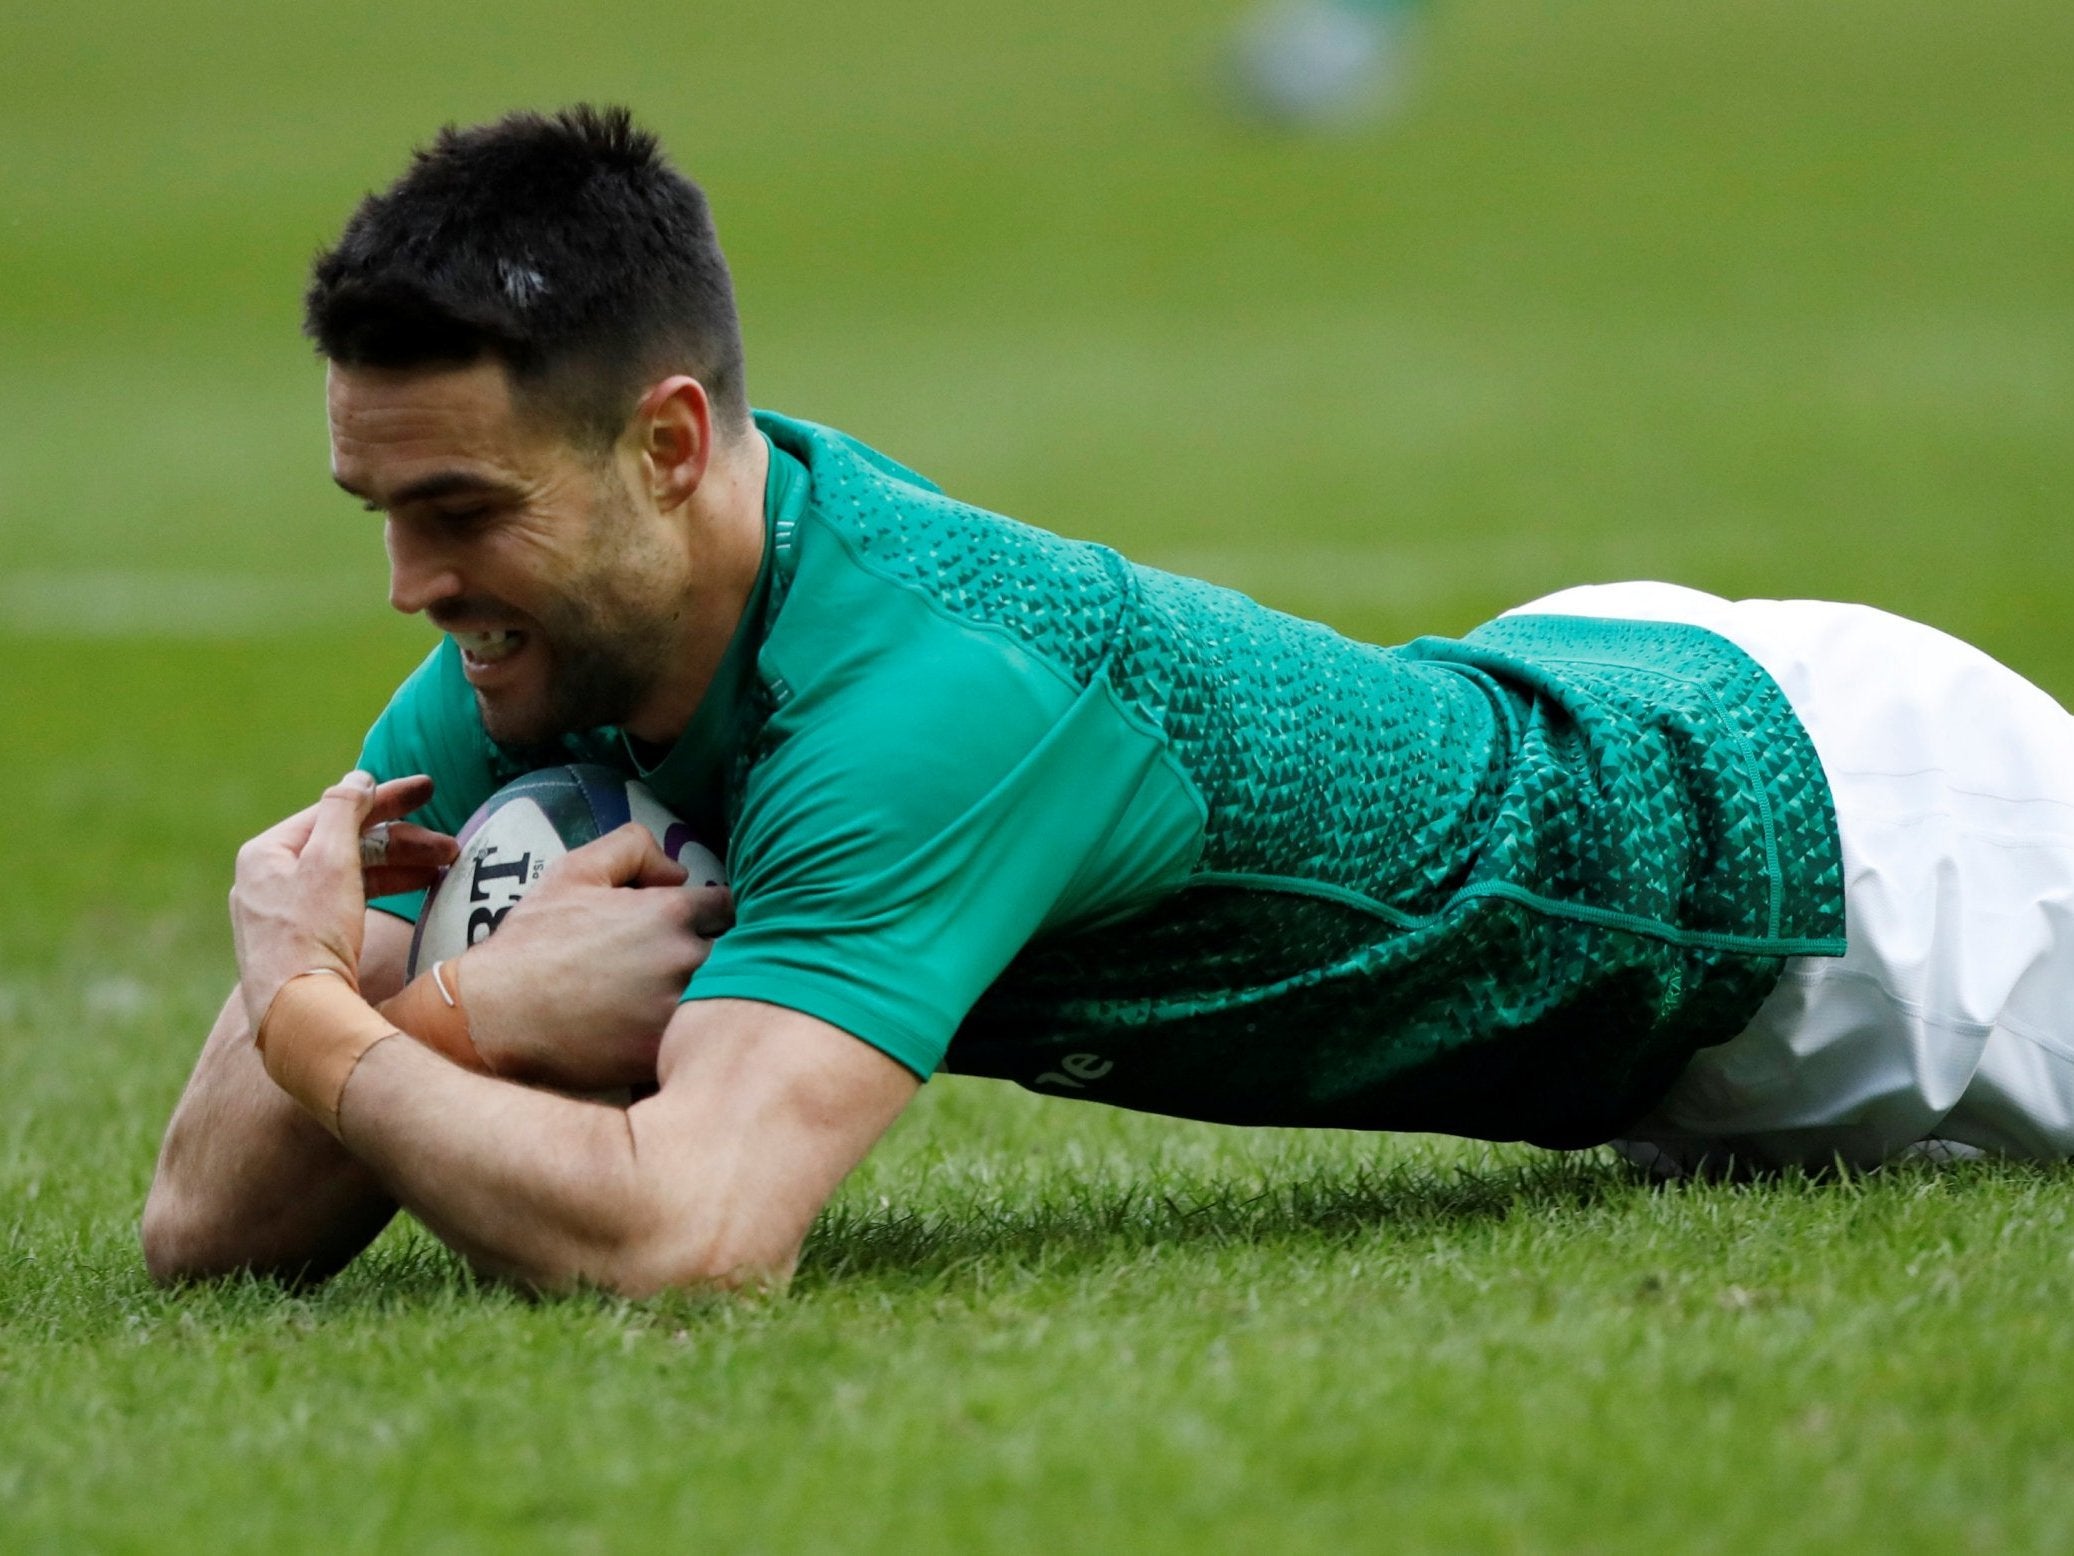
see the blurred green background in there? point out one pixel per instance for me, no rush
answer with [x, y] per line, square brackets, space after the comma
[1762, 297]
[1766, 298]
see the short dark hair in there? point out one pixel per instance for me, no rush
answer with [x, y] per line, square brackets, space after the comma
[565, 246]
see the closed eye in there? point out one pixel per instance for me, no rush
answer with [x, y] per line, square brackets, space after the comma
[472, 493]
[455, 518]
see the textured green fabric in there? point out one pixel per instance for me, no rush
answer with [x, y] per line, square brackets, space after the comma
[1010, 804]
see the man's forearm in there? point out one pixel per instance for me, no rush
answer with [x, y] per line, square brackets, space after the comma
[711, 1182]
[528, 1184]
[246, 1180]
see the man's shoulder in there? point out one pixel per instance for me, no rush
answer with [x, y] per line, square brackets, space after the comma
[872, 673]
[810, 443]
[877, 547]
[920, 647]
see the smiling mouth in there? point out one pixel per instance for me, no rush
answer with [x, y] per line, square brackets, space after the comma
[488, 648]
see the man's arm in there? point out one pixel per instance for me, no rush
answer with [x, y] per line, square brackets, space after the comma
[247, 1180]
[574, 990]
[714, 1181]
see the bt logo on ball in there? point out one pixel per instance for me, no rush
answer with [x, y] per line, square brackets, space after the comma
[494, 888]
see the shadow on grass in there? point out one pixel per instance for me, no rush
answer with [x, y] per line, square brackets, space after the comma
[92, 1283]
[1092, 1221]
[1033, 1229]
[972, 1232]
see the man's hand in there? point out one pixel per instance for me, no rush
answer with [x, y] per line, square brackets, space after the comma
[300, 898]
[576, 986]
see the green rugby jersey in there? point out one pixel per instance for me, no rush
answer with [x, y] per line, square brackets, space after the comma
[1006, 804]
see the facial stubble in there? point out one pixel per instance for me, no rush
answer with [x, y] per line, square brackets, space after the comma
[608, 635]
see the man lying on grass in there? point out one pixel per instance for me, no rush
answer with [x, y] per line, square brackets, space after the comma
[1782, 882]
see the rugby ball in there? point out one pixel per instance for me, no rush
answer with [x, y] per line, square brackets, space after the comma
[526, 826]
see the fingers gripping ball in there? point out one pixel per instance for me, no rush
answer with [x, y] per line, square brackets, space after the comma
[524, 827]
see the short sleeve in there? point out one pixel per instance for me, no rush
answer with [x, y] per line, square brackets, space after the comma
[891, 859]
[431, 726]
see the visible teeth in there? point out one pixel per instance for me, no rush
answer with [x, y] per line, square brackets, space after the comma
[488, 646]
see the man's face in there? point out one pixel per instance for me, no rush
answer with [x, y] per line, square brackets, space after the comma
[562, 588]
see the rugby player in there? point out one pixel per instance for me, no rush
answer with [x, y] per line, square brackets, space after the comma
[1777, 882]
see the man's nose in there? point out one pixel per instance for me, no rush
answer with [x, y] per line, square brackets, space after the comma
[421, 573]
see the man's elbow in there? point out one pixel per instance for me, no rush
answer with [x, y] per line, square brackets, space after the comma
[180, 1245]
[185, 1241]
[648, 1261]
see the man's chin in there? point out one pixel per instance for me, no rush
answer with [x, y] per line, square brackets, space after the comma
[516, 727]
[579, 694]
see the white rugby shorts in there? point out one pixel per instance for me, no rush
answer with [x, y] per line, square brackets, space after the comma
[1949, 1022]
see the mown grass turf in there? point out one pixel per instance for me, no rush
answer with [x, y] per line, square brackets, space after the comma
[1761, 297]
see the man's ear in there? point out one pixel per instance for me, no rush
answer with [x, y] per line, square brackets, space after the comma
[674, 428]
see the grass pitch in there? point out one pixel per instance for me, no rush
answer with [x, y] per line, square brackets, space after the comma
[1760, 297]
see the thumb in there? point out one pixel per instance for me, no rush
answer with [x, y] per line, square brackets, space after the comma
[625, 856]
[335, 831]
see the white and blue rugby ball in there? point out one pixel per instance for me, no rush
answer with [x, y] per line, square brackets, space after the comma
[526, 826]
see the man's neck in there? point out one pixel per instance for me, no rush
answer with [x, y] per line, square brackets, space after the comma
[727, 539]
